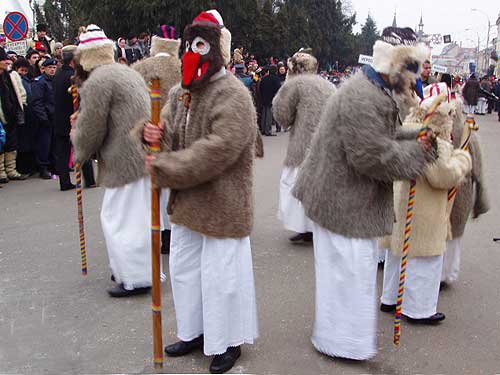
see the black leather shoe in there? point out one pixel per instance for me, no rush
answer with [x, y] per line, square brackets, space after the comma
[306, 237]
[119, 291]
[387, 308]
[181, 348]
[68, 187]
[113, 278]
[225, 362]
[165, 241]
[431, 320]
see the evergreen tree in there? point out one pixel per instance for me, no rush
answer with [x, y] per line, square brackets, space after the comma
[368, 37]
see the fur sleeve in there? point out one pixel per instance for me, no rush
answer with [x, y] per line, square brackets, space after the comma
[370, 148]
[91, 126]
[450, 168]
[232, 120]
[481, 203]
[285, 104]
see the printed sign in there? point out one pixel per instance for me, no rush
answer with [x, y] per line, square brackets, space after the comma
[15, 26]
[440, 68]
[365, 59]
[20, 47]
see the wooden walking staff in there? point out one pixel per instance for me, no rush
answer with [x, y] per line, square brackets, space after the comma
[79, 195]
[408, 228]
[155, 233]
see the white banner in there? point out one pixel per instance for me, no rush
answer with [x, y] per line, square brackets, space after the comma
[20, 47]
[365, 59]
[440, 68]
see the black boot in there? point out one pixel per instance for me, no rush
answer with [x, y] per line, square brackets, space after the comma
[387, 308]
[165, 241]
[45, 174]
[305, 237]
[431, 320]
[225, 362]
[119, 291]
[181, 348]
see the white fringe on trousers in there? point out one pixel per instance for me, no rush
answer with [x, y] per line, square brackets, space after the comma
[451, 260]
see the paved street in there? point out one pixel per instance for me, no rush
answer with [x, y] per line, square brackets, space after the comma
[54, 321]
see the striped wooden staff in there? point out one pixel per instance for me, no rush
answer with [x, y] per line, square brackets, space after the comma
[155, 233]
[408, 228]
[470, 126]
[79, 195]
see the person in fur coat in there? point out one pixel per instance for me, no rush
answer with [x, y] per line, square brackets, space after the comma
[209, 144]
[164, 64]
[115, 99]
[430, 220]
[298, 107]
[345, 186]
[471, 198]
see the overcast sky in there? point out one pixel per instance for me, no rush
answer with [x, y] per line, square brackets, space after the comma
[439, 16]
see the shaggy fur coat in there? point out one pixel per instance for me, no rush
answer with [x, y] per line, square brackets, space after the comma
[114, 99]
[210, 165]
[471, 196]
[298, 106]
[166, 68]
[357, 152]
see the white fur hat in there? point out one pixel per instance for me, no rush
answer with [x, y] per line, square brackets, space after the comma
[95, 48]
[385, 54]
[225, 38]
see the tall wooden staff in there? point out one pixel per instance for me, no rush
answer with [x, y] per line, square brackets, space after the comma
[155, 233]
[408, 228]
[79, 196]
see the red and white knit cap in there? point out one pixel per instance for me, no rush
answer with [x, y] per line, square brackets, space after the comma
[225, 38]
[95, 48]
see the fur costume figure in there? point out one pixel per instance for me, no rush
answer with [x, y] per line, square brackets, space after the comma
[114, 99]
[345, 185]
[298, 106]
[164, 62]
[471, 198]
[430, 223]
[210, 131]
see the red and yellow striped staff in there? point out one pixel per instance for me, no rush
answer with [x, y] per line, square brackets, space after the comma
[155, 233]
[408, 228]
[79, 195]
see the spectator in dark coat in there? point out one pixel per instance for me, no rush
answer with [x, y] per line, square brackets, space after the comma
[471, 94]
[43, 109]
[268, 88]
[25, 162]
[497, 93]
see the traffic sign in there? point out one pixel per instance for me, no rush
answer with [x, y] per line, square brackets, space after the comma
[15, 26]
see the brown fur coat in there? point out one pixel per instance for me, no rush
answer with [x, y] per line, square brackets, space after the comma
[298, 106]
[114, 99]
[210, 167]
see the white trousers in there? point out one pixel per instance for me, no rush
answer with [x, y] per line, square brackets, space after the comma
[470, 109]
[451, 260]
[291, 212]
[213, 289]
[346, 295]
[423, 275]
[482, 106]
[126, 223]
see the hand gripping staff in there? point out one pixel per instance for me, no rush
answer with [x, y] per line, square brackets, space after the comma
[408, 228]
[79, 197]
[155, 233]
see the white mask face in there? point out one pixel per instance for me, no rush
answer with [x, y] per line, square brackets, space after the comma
[200, 46]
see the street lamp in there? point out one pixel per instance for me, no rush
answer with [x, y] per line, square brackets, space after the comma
[477, 49]
[488, 37]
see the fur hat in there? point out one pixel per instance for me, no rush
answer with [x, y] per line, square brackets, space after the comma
[3, 55]
[95, 48]
[225, 37]
[398, 46]
[165, 42]
[302, 62]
